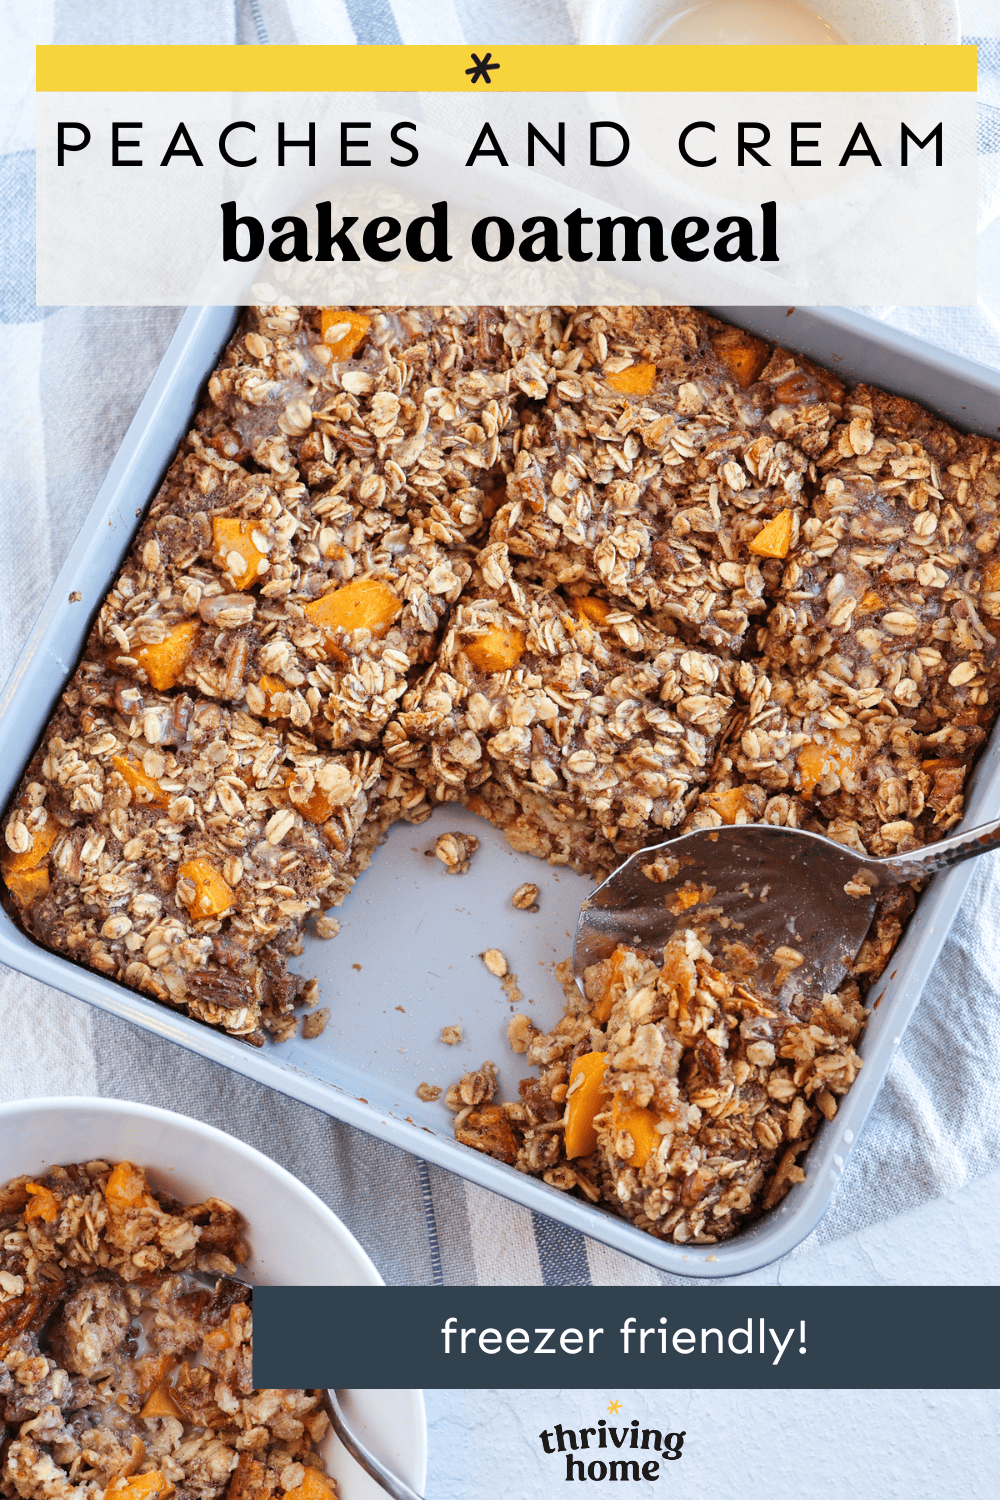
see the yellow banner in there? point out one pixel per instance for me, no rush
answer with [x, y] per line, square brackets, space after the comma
[490, 70]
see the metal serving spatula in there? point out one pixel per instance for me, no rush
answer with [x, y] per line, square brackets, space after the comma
[783, 893]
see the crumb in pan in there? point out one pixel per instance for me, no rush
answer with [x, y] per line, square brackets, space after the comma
[455, 851]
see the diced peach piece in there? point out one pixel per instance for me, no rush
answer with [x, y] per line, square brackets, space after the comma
[42, 840]
[775, 539]
[28, 886]
[365, 604]
[152, 1370]
[869, 602]
[269, 686]
[317, 807]
[42, 1204]
[127, 1188]
[816, 760]
[315, 1486]
[26, 875]
[152, 1486]
[942, 763]
[594, 610]
[164, 662]
[498, 650]
[635, 380]
[728, 803]
[343, 330]
[613, 977]
[150, 790]
[161, 1403]
[743, 355]
[138, 1455]
[991, 575]
[641, 1125]
[212, 895]
[489, 1130]
[584, 1102]
[235, 547]
[684, 900]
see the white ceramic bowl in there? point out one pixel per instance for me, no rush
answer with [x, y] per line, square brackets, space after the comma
[293, 1237]
[861, 22]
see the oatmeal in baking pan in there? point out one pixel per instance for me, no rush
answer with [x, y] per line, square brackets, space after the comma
[121, 1375]
[595, 573]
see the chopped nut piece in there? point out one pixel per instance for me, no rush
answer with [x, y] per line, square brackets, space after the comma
[479, 1086]
[451, 1035]
[428, 1092]
[525, 898]
[315, 1023]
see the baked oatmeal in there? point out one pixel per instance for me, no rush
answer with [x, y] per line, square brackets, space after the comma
[185, 843]
[572, 723]
[594, 573]
[650, 468]
[120, 1374]
[312, 614]
[672, 1092]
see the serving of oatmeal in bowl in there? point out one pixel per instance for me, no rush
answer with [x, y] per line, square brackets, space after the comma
[125, 1312]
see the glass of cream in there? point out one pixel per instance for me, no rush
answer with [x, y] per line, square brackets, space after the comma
[777, 22]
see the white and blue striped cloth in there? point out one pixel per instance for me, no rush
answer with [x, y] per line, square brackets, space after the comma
[73, 379]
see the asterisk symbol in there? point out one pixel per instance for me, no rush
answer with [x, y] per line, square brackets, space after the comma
[614, 1407]
[483, 68]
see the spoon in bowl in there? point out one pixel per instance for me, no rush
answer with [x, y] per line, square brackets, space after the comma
[391, 1483]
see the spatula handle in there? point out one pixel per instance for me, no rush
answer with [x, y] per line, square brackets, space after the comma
[952, 851]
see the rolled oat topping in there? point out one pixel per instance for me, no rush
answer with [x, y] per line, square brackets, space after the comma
[93, 1266]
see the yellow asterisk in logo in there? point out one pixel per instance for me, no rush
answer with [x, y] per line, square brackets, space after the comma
[614, 1407]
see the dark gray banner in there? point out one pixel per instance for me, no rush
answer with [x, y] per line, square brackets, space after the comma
[546, 1337]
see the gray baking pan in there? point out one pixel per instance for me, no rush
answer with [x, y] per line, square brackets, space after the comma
[406, 962]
